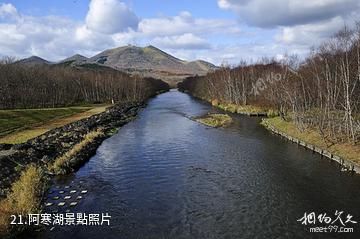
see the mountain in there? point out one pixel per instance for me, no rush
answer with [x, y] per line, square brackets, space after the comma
[33, 60]
[150, 61]
[145, 61]
[76, 59]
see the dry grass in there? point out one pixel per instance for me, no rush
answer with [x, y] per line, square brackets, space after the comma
[28, 124]
[242, 109]
[62, 164]
[344, 150]
[215, 120]
[24, 197]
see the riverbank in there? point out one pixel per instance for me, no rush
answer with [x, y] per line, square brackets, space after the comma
[60, 150]
[346, 155]
[249, 110]
[19, 125]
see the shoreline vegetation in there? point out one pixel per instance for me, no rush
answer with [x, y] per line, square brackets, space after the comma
[316, 98]
[346, 154]
[25, 198]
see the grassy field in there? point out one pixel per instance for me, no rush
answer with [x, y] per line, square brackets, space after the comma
[17, 126]
[343, 150]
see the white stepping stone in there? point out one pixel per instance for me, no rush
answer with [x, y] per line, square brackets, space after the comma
[84, 191]
[73, 191]
[67, 197]
[48, 204]
[73, 204]
[61, 204]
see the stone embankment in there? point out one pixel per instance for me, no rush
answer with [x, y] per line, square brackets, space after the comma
[44, 149]
[345, 165]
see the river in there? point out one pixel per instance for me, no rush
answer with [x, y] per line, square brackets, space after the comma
[166, 176]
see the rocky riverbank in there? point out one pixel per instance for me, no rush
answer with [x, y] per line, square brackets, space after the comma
[43, 150]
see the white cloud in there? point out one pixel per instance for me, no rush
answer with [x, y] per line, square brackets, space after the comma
[264, 13]
[110, 16]
[312, 33]
[184, 41]
[7, 10]
[54, 37]
[110, 23]
[185, 22]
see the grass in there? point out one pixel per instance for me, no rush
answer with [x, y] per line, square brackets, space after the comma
[215, 120]
[344, 150]
[24, 198]
[18, 126]
[244, 109]
[62, 165]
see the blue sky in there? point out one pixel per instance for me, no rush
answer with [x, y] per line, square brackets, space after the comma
[220, 31]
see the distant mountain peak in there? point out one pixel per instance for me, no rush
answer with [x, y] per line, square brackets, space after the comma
[148, 61]
[75, 59]
[33, 60]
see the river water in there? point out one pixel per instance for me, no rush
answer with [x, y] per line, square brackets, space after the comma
[166, 176]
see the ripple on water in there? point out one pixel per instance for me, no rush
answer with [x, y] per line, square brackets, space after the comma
[165, 176]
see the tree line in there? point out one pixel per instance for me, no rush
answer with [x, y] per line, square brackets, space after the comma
[321, 92]
[39, 86]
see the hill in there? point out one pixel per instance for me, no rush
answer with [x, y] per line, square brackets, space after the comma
[76, 59]
[145, 61]
[152, 62]
[33, 60]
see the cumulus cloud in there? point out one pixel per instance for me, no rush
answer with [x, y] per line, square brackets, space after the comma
[312, 33]
[185, 41]
[183, 23]
[110, 16]
[264, 13]
[8, 11]
[108, 23]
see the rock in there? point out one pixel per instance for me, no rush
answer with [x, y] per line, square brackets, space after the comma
[5, 146]
[44, 149]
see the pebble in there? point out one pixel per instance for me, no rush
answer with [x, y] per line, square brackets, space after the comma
[73, 204]
[84, 191]
[67, 197]
[61, 204]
